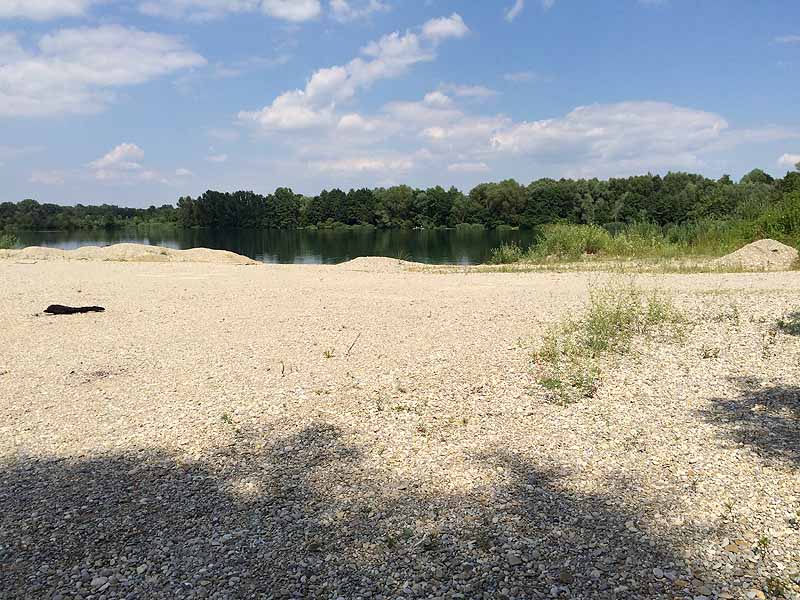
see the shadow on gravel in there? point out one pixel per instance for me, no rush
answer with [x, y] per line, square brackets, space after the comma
[302, 517]
[765, 418]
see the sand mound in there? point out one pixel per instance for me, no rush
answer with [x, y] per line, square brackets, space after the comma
[128, 253]
[378, 264]
[767, 255]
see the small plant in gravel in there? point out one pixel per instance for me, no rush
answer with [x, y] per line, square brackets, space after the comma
[570, 353]
[790, 325]
[227, 418]
[730, 314]
[329, 353]
[775, 588]
[710, 352]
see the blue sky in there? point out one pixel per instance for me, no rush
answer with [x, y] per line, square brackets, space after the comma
[138, 102]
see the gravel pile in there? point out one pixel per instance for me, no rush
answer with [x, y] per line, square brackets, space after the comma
[763, 255]
[127, 253]
[319, 432]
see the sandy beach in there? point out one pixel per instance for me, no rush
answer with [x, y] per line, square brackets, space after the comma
[370, 430]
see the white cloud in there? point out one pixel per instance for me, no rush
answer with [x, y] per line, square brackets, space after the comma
[292, 10]
[118, 162]
[344, 10]
[634, 135]
[788, 39]
[361, 165]
[76, 70]
[548, 4]
[183, 173]
[122, 157]
[515, 10]
[204, 10]
[315, 105]
[437, 99]
[789, 160]
[217, 158]
[468, 167]
[42, 10]
[444, 28]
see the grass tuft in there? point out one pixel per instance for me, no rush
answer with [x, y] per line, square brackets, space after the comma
[571, 351]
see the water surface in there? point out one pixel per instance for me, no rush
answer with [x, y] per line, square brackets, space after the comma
[460, 247]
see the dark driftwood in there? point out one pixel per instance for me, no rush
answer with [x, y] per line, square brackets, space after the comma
[58, 309]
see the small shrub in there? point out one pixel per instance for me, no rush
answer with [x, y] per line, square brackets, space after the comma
[7, 241]
[506, 254]
[570, 241]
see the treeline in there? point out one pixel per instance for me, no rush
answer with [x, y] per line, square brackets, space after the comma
[32, 216]
[674, 199]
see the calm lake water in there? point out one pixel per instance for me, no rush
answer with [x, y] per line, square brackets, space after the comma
[301, 247]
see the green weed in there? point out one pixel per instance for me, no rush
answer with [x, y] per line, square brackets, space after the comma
[570, 353]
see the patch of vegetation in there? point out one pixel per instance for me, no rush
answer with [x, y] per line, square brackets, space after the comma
[7, 241]
[506, 254]
[571, 352]
[329, 353]
[227, 418]
[790, 325]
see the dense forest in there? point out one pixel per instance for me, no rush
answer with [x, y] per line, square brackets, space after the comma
[672, 200]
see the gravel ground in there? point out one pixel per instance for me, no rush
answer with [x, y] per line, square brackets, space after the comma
[363, 431]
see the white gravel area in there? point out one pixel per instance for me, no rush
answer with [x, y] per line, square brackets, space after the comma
[372, 431]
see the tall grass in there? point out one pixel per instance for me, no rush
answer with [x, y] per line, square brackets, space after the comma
[506, 254]
[705, 237]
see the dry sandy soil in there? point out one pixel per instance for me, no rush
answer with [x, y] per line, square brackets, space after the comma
[363, 431]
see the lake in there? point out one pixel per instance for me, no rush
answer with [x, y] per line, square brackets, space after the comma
[460, 247]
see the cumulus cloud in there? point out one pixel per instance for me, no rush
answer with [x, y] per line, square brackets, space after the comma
[315, 105]
[204, 10]
[350, 10]
[445, 28]
[217, 158]
[42, 10]
[292, 10]
[118, 162]
[515, 10]
[788, 39]
[789, 160]
[627, 133]
[76, 70]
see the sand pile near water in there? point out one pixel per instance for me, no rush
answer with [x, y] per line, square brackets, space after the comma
[766, 255]
[128, 253]
[378, 264]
